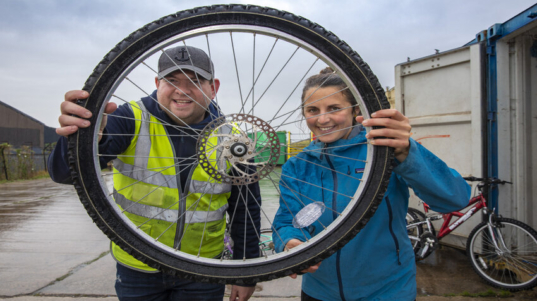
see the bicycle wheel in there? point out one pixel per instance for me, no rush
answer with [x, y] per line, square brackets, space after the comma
[414, 231]
[512, 264]
[265, 241]
[261, 56]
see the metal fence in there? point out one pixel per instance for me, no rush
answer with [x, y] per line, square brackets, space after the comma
[22, 163]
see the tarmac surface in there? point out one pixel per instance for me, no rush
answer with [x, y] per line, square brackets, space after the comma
[50, 250]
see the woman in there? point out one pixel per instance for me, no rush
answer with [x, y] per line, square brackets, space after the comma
[378, 264]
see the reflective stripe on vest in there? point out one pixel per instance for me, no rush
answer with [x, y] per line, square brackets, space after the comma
[169, 181]
[168, 215]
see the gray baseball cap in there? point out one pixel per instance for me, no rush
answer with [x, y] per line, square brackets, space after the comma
[185, 58]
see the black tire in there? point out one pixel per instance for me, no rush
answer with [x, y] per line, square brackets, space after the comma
[422, 217]
[513, 268]
[115, 65]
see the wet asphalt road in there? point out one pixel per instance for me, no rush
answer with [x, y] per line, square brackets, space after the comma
[50, 250]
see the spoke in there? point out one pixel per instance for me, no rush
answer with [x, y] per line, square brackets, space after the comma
[290, 211]
[245, 201]
[284, 175]
[177, 127]
[177, 164]
[137, 156]
[343, 129]
[292, 92]
[320, 152]
[307, 98]
[237, 70]
[341, 173]
[212, 70]
[303, 204]
[163, 122]
[274, 79]
[205, 226]
[253, 77]
[180, 216]
[150, 169]
[259, 74]
[301, 106]
[206, 98]
[261, 210]
[137, 202]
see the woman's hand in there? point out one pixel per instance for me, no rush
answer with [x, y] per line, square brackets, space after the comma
[70, 124]
[293, 243]
[396, 131]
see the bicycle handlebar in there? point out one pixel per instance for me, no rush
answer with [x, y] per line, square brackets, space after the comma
[486, 180]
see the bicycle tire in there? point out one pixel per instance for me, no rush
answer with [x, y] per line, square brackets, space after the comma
[422, 217]
[507, 269]
[113, 68]
[414, 232]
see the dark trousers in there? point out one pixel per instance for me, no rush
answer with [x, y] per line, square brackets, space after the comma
[132, 285]
[304, 297]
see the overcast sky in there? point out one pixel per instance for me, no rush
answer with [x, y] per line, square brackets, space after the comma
[51, 46]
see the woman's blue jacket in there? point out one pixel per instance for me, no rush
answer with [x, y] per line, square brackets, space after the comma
[378, 264]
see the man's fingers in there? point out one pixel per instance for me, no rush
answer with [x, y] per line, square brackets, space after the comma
[69, 108]
[67, 130]
[67, 120]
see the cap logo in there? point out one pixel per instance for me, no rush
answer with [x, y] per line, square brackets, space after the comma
[184, 55]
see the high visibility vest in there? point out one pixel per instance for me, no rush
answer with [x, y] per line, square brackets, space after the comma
[148, 192]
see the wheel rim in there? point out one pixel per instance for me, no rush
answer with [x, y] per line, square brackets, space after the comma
[119, 92]
[514, 265]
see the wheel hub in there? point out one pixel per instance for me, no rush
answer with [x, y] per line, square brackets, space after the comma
[238, 149]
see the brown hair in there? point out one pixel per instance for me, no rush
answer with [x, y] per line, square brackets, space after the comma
[328, 78]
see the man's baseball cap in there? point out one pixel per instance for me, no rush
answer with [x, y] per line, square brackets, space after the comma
[185, 58]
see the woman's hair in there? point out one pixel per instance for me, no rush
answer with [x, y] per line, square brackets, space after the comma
[328, 78]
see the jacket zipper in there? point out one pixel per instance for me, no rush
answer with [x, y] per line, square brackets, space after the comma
[334, 216]
[390, 214]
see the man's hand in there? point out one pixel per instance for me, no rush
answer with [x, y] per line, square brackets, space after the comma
[70, 124]
[312, 269]
[241, 293]
[396, 130]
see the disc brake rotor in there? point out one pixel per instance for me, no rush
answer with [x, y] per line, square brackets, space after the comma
[238, 149]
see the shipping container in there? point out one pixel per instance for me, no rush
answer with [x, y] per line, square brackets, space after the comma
[476, 108]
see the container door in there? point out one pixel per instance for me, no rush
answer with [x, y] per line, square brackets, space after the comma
[517, 124]
[442, 96]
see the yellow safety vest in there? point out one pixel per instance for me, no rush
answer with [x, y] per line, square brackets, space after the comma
[148, 192]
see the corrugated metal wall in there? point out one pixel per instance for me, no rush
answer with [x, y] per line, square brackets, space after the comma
[17, 128]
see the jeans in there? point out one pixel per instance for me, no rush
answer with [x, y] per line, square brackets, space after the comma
[132, 285]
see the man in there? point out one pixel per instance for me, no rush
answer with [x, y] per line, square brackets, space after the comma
[180, 107]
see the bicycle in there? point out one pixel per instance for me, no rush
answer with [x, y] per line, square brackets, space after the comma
[502, 251]
[266, 245]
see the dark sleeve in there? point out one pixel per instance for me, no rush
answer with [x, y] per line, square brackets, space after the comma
[116, 139]
[245, 216]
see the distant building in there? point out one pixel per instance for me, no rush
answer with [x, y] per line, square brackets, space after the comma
[390, 94]
[20, 129]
